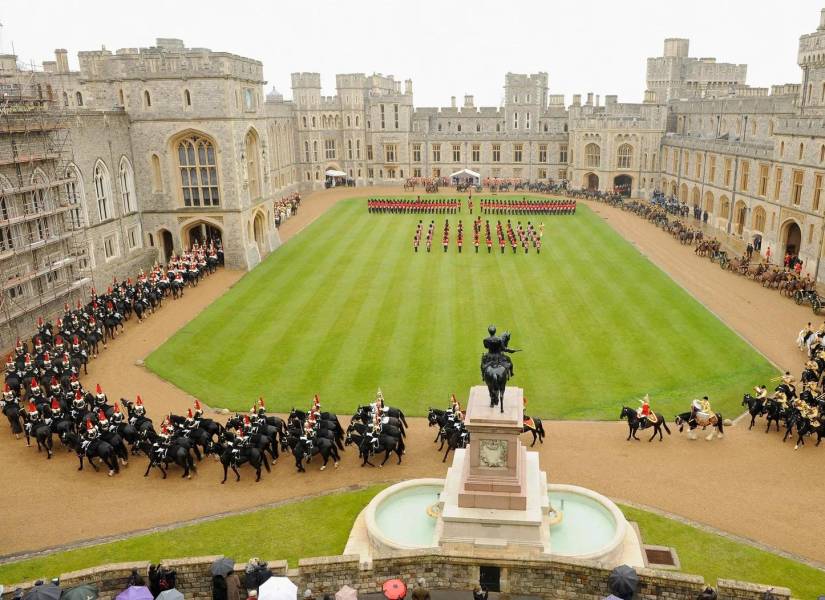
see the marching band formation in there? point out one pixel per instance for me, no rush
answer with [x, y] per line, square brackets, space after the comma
[518, 236]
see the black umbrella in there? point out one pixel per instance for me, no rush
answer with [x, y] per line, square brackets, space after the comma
[48, 591]
[87, 591]
[222, 567]
[623, 582]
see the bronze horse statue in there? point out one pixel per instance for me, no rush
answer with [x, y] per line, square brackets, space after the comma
[496, 366]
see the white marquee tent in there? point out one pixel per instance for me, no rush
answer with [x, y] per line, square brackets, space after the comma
[465, 174]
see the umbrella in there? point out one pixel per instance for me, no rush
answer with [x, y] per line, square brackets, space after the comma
[172, 594]
[135, 592]
[394, 589]
[223, 566]
[623, 581]
[86, 591]
[346, 593]
[48, 591]
[277, 588]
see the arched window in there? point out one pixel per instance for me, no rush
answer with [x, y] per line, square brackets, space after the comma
[357, 120]
[157, 179]
[758, 222]
[187, 98]
[75, 197]
[253, 171]
[592, 155]
[78, 98]
[103, 191]
[306, 151]
[147, 99]
[315, 150]
[198, 171]
[65, 99]
[724, 207]
[801, 150]
[709, 202]
[121, 98]
[349, 121]
[625, 156]
[313, 122]
[304, 119]
[127, 186]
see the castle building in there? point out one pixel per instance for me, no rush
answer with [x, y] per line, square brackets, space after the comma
[141, 152]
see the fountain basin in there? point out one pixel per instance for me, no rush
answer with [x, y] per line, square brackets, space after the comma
[405, 517]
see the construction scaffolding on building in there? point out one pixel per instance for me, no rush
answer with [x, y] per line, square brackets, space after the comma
[44, 260]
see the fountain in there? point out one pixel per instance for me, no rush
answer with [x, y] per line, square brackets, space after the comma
[496, 497]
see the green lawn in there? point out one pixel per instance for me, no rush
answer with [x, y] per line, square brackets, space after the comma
[716, 557]
[346, 307]
[320, 527]
[315, 527]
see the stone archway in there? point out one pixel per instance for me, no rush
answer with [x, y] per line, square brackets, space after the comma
[624, 184]
[201, 232]
[591, 181]
[167, 245]
[791, 237]
[258, 229]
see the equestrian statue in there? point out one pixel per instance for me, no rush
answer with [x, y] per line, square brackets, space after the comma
[496, 366]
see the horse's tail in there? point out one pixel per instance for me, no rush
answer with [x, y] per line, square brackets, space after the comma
[401, 416]
[266, 462]
[540, 428]
[664, 424]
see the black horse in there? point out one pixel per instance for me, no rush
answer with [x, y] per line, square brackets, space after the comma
[162, 455]
[42, 433]
[535, 427]
[756, 408]
[92, 449]
[306, 450]
[634, 423]
[372, 445]
[11, 409]
[454, 437]
[230, 458]
[496, 376]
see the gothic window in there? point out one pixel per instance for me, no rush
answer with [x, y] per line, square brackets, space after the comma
[147, 99]
[625, 156]
[187, 98]
[198, 171]
[592, 155]
[78, 98]
[74, 195]
[252, 164]
[157, 180]
[103, 192]
[127, 186]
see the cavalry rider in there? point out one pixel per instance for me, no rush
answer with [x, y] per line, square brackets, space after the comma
[102, 421]
[56, 411]
[761, 392]
[100, 397]
[189, 423]
[643, 412]
[117, 417]
[198, 409]
[90, 437]
[32, 414]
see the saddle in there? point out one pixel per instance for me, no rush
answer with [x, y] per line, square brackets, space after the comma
[529, 423]
[652, 418]
[703, 418]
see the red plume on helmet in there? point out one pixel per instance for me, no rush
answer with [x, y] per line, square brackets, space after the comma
[32, 408]
[189, 414]
[66, 307]
[34, 384]
[89, 425]
[73, 378]
[40, 321]
[98, 390]
[78, 395]
[246, 420]
[55, 404]
[139, 401]
[101, 416]
[117, 408]
[46, 357]
[261, 402]
[79, 306]
[54, 381]
[76, 341]
[6, 387]
[197, 404]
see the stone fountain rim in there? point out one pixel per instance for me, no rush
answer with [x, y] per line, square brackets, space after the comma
[369, 512]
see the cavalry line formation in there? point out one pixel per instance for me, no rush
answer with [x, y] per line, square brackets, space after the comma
[570, 440]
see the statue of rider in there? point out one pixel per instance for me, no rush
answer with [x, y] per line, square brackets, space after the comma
[497, 351]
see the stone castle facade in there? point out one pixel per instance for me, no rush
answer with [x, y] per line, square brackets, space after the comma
[154, 148]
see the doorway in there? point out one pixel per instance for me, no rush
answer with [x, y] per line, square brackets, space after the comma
[623, 185]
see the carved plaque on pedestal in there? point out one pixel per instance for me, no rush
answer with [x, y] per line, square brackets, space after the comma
[493, 453]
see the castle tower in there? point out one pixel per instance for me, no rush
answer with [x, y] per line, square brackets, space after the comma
[811, 60]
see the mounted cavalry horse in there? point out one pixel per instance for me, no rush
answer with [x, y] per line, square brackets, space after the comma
[634, 423]
[700, 415]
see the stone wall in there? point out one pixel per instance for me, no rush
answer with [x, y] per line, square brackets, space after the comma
[520, 576]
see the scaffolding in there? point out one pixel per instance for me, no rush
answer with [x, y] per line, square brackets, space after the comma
[44, 260]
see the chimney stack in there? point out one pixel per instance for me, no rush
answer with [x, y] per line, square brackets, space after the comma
[589, 99]
[62, 58]
[597, 100]
[452, 101]
[468, 101]
[577, 99]
[821, 20]
[408, 86]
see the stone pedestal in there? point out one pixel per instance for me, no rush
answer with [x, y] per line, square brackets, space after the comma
[495, 494]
